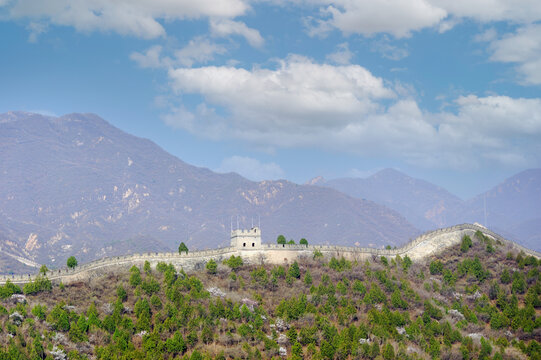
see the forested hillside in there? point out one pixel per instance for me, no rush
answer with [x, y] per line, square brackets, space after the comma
[478, 300]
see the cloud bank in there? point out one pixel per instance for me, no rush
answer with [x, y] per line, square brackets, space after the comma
[345, 108]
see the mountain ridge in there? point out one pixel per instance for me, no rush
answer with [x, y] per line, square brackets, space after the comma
[74, 184]
[512, 205]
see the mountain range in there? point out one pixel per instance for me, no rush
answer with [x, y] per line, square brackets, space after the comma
[76, 185]
[511, 208]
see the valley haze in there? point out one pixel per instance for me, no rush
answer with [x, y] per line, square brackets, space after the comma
[75, 185]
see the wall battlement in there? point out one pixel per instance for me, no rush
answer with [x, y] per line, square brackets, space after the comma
[422, 247]
[246, 238]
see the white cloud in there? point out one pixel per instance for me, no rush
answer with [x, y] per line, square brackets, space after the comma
[342, 55]
[298, 96]
[347, 109]
[397, 17]
[522, 48]
[35, 29]
[151, 58]
[486, 36]
[251, 168]
[517, 11]
[389, 51]
[402, 17]
[198, 50]
[138, 18]
[226, 27]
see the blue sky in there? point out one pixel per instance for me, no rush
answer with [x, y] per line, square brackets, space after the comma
[448, 91]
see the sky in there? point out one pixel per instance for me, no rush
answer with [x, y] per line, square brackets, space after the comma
[444, 90]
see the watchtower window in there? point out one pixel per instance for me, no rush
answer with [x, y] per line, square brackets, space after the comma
[283, 245]
[244, 244]
[253, 244]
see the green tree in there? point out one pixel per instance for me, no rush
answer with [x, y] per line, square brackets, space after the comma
[121, 293]
[486, 349]
[281, 239]
[397, 301]
[296, 352]
[72, 262]
[294, 270]
[388, 352]
[43, 269]
[466, 244]
[234, 262]
[436, 267]
[519, 285]
[308, 278]
[211, 267]
[182, 248]
[147, 268]
[505, 278]
[135, 276]
[327, 350]
[406, 263]
[303, 241]
[176, 344]
[260, 276]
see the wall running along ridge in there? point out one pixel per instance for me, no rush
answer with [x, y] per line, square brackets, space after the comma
[424, 246]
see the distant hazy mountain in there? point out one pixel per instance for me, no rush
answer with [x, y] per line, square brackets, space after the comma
[512, 207]
[423, 204]
[75, 185]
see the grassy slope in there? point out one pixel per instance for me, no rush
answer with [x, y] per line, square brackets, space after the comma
[345, 303]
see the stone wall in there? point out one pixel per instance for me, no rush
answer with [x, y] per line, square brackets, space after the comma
[422, 247]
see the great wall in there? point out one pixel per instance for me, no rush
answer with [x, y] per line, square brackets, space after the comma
[247, 244]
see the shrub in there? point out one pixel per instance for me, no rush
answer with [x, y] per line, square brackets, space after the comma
[211, 267]
[182, 248]
[466, 244]
[121, 293]
[339, 265]
[39, 311]
[303, 241]
[71, 262]
[505, 278]
[260, 276]
[234, 262]
[41, 283]
[281, 239]
[406, 262]
[9, 289]
[294, 270]
[436, 267]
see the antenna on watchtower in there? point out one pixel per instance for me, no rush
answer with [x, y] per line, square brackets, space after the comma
[259, 221]
[231, 223]
[237, 222]
[252, 222]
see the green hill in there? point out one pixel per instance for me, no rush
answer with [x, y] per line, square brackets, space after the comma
[474, 301]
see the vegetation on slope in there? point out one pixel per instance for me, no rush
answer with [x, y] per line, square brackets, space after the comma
[475, 301]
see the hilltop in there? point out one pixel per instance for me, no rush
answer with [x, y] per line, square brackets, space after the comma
[477, 299]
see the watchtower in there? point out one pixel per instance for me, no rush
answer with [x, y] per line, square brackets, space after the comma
[246, 239]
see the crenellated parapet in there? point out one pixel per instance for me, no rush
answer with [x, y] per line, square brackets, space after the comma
[246, 239]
